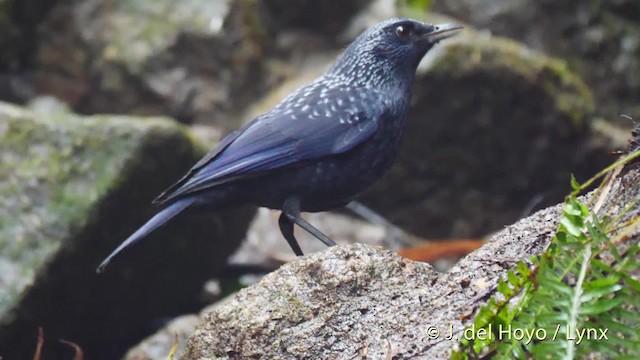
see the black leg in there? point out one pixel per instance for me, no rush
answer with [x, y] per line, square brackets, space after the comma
[373, 217]
[292, 210]
[286, 228]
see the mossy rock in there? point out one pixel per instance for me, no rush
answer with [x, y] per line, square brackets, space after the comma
[198, 61]
[478, 53]
[328, 18]
[600, 39]
[72, 188]
[495, 130]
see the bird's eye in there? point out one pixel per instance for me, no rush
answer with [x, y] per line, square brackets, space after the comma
[403, 32]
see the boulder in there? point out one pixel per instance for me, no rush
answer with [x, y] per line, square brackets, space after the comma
[198, 61]
[72, 188]
[18, 32]
[159, 345]
[328, 18]
[359, 301]
[601, 40]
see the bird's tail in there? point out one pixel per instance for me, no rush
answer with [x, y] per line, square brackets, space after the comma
[158, 220]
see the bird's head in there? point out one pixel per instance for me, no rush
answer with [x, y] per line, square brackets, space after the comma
[390, 48]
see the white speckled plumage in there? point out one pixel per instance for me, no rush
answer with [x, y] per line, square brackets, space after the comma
[320, 146]
[363, 97]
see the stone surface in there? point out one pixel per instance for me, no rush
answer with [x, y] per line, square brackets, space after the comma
[199, 61]
[325, 17]
[601, 40]
[354, 301]
[158, 345]
[196, 60]
[19, 20]
[72, 188]
[359, 301]
[264, 248]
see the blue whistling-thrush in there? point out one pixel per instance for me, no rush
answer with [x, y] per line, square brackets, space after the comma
[318, 148]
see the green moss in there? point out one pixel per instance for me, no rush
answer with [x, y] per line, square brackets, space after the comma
[251, 12]
[569, 93]
[54, 170]
[136, 30]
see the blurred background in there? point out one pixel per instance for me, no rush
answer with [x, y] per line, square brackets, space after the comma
[104, 103]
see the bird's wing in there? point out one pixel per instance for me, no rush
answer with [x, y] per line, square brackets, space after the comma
[199, 165]
[310, 130]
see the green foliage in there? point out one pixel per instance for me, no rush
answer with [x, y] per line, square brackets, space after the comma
[418, 5]
[577, 298]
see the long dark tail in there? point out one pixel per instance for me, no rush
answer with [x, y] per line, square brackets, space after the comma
[158, 220]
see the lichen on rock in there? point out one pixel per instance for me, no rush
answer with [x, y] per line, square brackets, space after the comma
[598, 38]
[54, 169]
[359, 301]
[72, 188]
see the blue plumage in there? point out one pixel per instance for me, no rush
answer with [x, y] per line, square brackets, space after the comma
[293, 132]
[322, 145]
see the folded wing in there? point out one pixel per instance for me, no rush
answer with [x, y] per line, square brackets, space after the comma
[284, 137]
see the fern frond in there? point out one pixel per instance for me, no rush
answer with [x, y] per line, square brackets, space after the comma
[581, 296]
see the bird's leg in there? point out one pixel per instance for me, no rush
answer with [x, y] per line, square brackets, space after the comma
[291, 209]
[286, 228]
[373, 217]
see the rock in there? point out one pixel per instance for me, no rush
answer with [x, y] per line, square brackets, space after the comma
[600, 40]
[264, 248]
[19, 23]
[18, 31]
[325, 17]
[359, 301]
[71, 189]
[158, 345]
[197, 60]
[211, 78]
[338, 284]
[347, 301]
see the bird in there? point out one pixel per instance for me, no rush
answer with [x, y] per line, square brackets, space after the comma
[321, 146]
